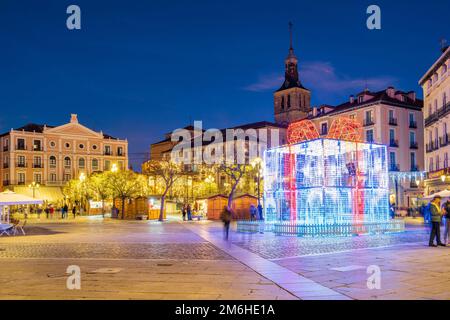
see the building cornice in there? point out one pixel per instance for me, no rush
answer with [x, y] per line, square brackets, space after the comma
[435, 66]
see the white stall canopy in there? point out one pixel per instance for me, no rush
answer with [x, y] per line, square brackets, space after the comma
[9, 198]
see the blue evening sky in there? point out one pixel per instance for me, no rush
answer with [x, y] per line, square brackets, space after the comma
[138, 69]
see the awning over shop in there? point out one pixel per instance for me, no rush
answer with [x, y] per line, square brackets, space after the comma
[9, 198]
[443, 194]
[49, 194]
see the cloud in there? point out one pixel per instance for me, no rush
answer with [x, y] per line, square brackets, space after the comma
[324, 81]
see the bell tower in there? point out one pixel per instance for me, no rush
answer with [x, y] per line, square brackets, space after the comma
[292, 101]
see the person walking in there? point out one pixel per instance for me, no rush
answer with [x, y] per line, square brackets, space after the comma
[52, 211]
[446, 215]
[47, 212]
[65, 210]
[183, 212]
[74, 211]
[252, 212]
[189, 213]
[226, 219]
[435, 222]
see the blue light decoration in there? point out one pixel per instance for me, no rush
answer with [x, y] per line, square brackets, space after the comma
[328, 187]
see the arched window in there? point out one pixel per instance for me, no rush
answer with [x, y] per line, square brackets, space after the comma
[81, 163]
[94, 164]
[52, 162]
[282, 103]
[67, 162]
[289, 101]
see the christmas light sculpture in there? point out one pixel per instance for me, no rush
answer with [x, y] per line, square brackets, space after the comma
[328, 186]
[345, 129]
[301, 131]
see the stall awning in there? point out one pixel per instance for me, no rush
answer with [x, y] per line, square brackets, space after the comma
[9, 198]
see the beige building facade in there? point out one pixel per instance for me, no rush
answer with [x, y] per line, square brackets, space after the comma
[53, 155]
[436, 91]
[393, 118]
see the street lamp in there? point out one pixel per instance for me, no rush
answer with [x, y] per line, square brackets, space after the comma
[256, 163]
[114, 168]
[34, 186]
[443, 177]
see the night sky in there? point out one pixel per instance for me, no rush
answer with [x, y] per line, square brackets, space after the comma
[138, 69]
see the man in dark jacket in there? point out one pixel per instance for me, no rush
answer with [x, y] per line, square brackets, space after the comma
[446, 215]
[436, 217]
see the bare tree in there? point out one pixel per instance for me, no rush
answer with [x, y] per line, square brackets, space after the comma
[235, 172]
[166, 172]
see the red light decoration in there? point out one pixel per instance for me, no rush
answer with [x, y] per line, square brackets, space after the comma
[345, 129]
[301, 131]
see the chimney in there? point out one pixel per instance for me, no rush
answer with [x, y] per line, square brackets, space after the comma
[390, 92]
[314, 111]
[352, 99]
[412, 95]
[73, 118]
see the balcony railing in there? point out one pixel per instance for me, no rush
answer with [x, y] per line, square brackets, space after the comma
[368, 122]
[38, 149]
[435, 116]
[394, 167]
[38, 165]
[21, 165]
[21, 183]
[5, 165]
[413, 124]
[5, 148]
[414, 168]
[443, 141]
[107, 153]
[392, 121]
[6, 182]
[20, 147]
[413, 145]
[393, 143]
[430, 147]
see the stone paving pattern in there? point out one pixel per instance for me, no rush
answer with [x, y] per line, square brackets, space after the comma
[172, 261]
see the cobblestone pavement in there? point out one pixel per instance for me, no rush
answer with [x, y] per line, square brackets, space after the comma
[143, 260]
[276, 247]
[152, 260]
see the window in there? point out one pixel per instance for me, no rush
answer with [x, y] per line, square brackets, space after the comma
[369, 135]
[94, 164]
[20, 144]
[435, 105]
[52, 144]
[392, 161]
[430, 165]
[444, 99]
[369, 116]
[21, 178]
[67, 145]
[94, 147]
[108, 150]
[120, 151]
[37, 178]
[21, 161]
[107, 164]
[282, 103]
[324, 128]
[288, 101]
[412, 137]
[81, 146]
[391, 114]
[52, 162]
[413, 161]
[81, 163]
[352, 116]
[438, 164]
[37, 145]
[444, 69]
[360, 99]
[37, 162]
[53, 177]
[5, 145]
[67, 162]
[67, 177]
[391, 135]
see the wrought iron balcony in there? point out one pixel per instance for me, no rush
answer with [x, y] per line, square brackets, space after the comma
[368, 122]
[394, 167]
[413, 124]
[21, 165]
[393, 143]
[5, 165]
[6, 182]
[38, 165]
[392, 121]
[443, 141]
[21, 147]
[413, 145]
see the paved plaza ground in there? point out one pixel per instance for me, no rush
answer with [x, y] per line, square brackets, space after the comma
[190, 260]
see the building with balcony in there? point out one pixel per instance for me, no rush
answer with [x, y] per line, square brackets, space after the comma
[390, 117]
[436, 91]
[53, 155]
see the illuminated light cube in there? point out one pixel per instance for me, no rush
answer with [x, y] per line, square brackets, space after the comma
[328, 187]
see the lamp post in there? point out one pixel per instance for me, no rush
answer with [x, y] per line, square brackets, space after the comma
[34, 185]
[256, 163]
